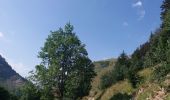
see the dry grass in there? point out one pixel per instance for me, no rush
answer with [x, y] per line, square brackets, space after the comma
[120, 87]
[100, 70]
[148, 91]
[123, 86]
[150, 88]
[146, 74]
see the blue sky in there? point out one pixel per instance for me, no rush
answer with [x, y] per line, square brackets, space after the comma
[107, 27]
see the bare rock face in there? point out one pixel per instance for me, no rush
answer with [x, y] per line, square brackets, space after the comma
[9, 78]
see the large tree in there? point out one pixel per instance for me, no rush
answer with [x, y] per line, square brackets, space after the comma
[65, 70]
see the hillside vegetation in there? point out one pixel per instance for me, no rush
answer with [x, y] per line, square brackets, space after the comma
[146, 89]
[145, 74]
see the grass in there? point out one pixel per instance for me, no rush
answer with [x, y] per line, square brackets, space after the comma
[168, 97]
[149, 87]
[146, 85]
[146, 74]
[120, 87]
[148, 91]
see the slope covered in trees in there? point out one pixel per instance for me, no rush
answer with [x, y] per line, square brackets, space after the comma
[152, 58]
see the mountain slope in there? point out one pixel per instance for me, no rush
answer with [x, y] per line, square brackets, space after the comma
[8, 77]
[146, 89]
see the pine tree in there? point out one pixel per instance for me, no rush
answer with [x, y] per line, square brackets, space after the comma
[121, 67]
[166, 22]
[165, 7]
[151, 57]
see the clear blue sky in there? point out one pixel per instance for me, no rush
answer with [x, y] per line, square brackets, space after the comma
[107, 27]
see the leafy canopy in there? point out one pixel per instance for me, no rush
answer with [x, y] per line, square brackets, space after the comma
[65, 70]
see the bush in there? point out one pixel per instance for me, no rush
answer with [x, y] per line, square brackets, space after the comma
[121, 96]
[107, 80]
[134, 78]
[29, 92]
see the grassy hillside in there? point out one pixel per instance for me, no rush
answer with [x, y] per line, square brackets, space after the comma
[146, 89]
[101, 67]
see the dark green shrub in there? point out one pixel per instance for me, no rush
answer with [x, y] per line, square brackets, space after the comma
[107, 80]
[161, 71]
[4, 94]
[121, 96]
[134, 78]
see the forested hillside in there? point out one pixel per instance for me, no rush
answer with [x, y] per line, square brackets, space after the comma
[145, 75]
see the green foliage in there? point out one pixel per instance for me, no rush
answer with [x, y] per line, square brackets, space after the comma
[29, 92]
[159, 50]
[136, 61]
[137, 58]
[107, 80]
[13, 97]
[134, 78]
[4, 94]
[119, 72]
[120, 96]
[65, 70]
[151, 57]
[159, 44]
[121, 67]
[166, 23]
[161, 71]
[165, 7]
[168, 52]
[154, 53]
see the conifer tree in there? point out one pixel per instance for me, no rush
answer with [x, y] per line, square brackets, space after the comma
[121, 67]
[165, 7]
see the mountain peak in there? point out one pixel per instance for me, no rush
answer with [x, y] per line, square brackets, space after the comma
[9, 78]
